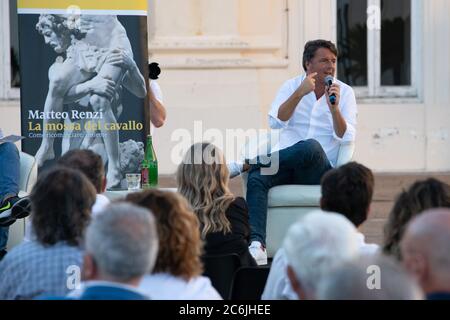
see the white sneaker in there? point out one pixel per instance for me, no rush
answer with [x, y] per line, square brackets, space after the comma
[258, 252]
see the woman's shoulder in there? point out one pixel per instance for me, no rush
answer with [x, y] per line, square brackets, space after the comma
[202, 288]
[239, 202]
[167, 286]
[239, 205]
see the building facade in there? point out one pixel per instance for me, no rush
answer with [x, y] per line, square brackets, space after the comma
[223, 61]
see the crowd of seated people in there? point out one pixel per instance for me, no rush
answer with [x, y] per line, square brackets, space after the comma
[150, 244]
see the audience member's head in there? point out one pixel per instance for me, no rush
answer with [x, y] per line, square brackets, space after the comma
[88, 162]
[314, 245]
[348, 190]
[369, 278]
[121, 245]
[422, 195]
[203, 180]
[425, 249]
[61, 203]
[180, 246]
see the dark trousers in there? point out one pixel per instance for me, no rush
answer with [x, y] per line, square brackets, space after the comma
[303, 163]
[9, 180]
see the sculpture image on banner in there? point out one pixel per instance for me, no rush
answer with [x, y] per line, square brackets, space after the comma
[93, 69]
[98, 65]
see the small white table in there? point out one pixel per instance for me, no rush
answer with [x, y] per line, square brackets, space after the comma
[121, 194]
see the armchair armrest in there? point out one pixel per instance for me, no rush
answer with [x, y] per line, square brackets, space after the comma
[345, 154]
[28, 172]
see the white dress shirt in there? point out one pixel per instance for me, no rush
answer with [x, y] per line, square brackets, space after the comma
[366, 248]
[312, 118]
[235, 168]
[101, 202]
[164, 286]
[278, 286]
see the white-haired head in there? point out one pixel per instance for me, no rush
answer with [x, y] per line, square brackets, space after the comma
[374, 277]
[314, 245]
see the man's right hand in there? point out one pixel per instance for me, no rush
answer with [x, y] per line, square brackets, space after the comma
[287, 109]
[102, 87]
[308, 85]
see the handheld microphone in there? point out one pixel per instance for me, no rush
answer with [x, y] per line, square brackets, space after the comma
[329, 82]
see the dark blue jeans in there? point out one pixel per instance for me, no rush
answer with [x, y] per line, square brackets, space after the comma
[303, 163]
[9, 180]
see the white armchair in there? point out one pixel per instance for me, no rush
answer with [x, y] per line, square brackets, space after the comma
[28, 177]
[28, 172]
[286, 203]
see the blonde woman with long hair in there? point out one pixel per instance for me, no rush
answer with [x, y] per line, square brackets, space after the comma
[203, 179]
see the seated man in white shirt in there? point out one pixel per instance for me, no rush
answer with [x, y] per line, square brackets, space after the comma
[313, 118]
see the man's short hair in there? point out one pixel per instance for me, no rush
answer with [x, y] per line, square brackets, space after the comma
[374, 277]
[88, 162]
[317, 243]
[312, 46]
[123, 241]
[348, 190]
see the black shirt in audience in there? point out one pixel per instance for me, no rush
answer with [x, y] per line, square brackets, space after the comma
[237, 240]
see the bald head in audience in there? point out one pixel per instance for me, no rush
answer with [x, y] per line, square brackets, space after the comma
[425, 249]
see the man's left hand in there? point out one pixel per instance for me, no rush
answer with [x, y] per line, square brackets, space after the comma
[336, 90]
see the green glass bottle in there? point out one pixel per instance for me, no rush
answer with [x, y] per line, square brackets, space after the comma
[149, 166]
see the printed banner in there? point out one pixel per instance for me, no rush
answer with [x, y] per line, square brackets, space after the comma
[84, 81]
